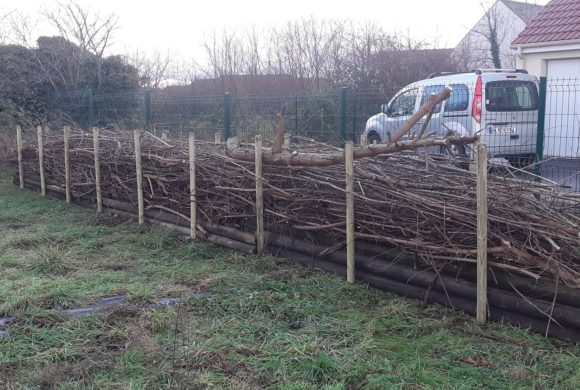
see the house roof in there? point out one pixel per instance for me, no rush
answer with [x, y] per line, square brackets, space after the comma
[558, 21]
[525, 11]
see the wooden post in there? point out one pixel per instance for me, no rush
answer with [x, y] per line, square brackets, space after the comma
[139, 172]
[41, 160]
[97, 170]
[67, 164]
[363, 140]
[259, 198]
[192, 193]
[349, 167]
[473, 157]
[481, 166]
[19, 152]
[218, 137]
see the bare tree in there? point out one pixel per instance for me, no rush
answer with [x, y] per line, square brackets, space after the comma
[153, 69]
[90, 31]
[485, 44]
[492, 34]
[225, 57]
[320, 54]
[22, 28]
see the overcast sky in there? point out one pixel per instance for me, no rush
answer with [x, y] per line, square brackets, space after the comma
[180, 26]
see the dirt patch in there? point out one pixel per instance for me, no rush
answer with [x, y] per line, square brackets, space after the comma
[105, 219]
[121, 266]
[121, 313]
[52, 375]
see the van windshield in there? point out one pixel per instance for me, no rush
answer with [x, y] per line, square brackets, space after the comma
[511, 96]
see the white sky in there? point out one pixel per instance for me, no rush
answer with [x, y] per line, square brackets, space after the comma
[179, 25]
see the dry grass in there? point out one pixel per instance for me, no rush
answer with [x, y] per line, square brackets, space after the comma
[267, 324]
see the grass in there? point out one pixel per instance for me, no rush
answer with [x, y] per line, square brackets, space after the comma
[267, 324]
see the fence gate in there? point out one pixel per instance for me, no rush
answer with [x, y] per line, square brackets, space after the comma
[562, 123]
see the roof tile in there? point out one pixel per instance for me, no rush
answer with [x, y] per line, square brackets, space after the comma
[559, 20]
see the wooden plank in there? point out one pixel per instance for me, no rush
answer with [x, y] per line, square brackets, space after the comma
[19, 153]
[66, 135]
[192, 189]
[97, 170]
[41, 160]
[139, 172]
[349, 168]
[481, 166]
[259, 198]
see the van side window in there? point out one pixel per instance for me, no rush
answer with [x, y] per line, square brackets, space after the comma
[459, 99]
[431, 90]
[404, 104]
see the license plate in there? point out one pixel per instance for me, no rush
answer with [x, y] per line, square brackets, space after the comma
[505, 130]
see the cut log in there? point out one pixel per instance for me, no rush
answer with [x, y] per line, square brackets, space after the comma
[236, 151]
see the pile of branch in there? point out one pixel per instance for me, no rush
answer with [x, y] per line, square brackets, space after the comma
[422, 203]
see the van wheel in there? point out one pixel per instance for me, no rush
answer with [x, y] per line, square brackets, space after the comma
[372, 137]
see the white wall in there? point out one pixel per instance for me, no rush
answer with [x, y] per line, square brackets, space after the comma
[536, 63]
[474, 49]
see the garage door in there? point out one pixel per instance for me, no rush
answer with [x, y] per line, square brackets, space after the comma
[562, 124]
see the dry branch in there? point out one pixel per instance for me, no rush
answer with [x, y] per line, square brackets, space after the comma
[297, 158]
[429, 213]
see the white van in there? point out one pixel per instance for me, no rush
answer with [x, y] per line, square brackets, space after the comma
[500, 105]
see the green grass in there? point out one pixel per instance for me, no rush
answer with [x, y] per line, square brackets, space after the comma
[267, 324]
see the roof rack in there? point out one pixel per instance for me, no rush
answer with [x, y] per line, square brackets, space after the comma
[480, 71]
[438, 74]
[477, 71]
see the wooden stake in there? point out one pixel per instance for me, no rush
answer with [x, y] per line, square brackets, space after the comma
[192, 194]
[218, 138]
[97, 170]
[67, 164]
[139, 171]
[259, 198]
[41, 160]
[473, 157]
[19, 152]
[481, 166]
[364, 140]
[349, 167]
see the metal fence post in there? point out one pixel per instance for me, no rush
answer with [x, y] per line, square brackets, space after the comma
[296, 114]
[541, 123]
[148, 109]
[343, 97]
[227, 122]
[354, 138]
[91, 112]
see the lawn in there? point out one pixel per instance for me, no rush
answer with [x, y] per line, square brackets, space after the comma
[268, 323]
